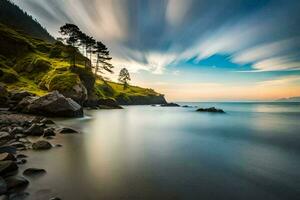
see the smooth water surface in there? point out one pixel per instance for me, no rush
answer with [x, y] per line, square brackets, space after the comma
[144, 152]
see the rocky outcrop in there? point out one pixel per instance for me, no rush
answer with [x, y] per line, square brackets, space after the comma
[211, 109]
[170, 105]
[123, 99]
[52, 104]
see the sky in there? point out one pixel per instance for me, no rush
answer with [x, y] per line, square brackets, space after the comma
[191, 50]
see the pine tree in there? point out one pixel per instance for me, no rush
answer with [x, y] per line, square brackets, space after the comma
[124, 77]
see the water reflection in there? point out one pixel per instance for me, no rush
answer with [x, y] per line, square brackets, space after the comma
[144, 152]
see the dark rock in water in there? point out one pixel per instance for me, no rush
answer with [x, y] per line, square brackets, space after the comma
[41, 145]
[3, 186]
[18, 145]
[187, 106]
[107, 103]
[16, 182]
[55, 198]
[58, 145]
[67, 131]
[170, 105]
[8, 149]
[51, 104]
[211, 109]
[5, 136]
[47, 121]
[18, 96]
[7, 156]
[21, 156]
[22, 161]
[35, 130]
[33, 171]
[7, 168]
[49, 132]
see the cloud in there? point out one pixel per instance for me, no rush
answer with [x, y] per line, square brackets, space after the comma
[146, 35]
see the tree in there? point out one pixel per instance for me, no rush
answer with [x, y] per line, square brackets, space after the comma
[124, 77]
[103, 58]
[72, 33]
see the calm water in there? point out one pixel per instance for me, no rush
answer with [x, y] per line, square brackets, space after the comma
[144, 152]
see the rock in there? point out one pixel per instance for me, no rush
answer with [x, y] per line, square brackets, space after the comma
[22, 161]
[49, 132]
[58, 145]
[19, 136]
[18, 145]
[35, 130]
[7, 168]
[170, 105]
[33, 171]
[21, 156]
[51, 104]
[47, 121]
[3, 186]
[16, 182]
[5, 136]
[8, 149]
[78, 93]
[211, 109]
[3, 95]
[55, 198]
[18, 96]
[18, 196]
[7, 156]
[66, 130]
[41, 145]
[17, 130]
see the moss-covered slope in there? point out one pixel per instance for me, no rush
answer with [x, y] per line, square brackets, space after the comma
[32, 64]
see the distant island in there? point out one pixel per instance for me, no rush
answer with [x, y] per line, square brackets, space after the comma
[289, 99]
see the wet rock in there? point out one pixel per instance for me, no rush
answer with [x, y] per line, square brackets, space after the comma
[16, 182]
[55, 198]
[33, 171]
[47, 121]
[18, 196]
[58, 145]
[18, 145]
[5, 136]
[66, 130]
[35, 130]
[21, 156]
[51, 104]
[211, 109]
[170, 105]
[17, 130]
[41, 145]
[7, 156]
[8, 149]
[18, 136]
[22, 162]
[3, 186]
[7, 168]
[49, 132]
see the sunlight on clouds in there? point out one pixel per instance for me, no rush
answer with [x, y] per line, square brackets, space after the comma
[176, 9]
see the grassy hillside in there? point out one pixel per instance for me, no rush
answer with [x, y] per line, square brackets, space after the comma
[32, 64]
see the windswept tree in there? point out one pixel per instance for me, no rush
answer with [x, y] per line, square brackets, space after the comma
[124, 77]
[72, 33]
[103, 58]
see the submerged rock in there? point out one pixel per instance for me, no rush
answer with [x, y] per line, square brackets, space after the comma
[211, 109]
[66, 130]
[41, 145]
[16, 182]
[51, 104]
[34, 171]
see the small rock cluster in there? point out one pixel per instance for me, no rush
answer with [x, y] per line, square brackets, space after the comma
[16, 131]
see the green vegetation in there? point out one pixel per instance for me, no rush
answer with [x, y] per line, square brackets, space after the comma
[31, 64]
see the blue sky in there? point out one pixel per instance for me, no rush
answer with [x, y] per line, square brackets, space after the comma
[192, 49]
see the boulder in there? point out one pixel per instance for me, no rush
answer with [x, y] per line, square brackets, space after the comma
[5, 136]
[17, 130]
[8, 149]
[35, 130]
[18, 96]
[51, 104]
[7, 156]
[211, 109]
[16, 182]
[49, 132]
[41, 145]
[170, 105]
[78, 93]
[33, 171]
[7, 168]
[47, 121]
[18, 145]
[66, 130]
